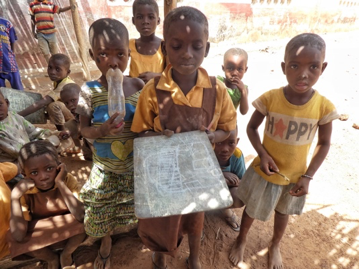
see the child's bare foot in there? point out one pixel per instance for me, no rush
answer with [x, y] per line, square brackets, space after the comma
[237, 252]
[193, 263]
[102, 262]
[274, 257]
[159, 260]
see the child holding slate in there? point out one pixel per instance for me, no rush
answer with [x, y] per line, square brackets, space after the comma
[184, 98]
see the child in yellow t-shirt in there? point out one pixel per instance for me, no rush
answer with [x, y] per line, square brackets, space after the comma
[147, 60]
[278, 178]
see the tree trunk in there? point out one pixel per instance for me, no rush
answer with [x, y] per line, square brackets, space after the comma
[83, 49]
[169, 5]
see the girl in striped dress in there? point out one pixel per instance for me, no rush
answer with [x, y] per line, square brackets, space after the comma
[108, 195]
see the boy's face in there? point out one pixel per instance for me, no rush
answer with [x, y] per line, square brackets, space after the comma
[145, 19]
[4, 108]
[224, 150]
[186, 46]
[70, 99]
[57, 70]
[42, 170]
[109, 54]
[303, 68]
[234, 66]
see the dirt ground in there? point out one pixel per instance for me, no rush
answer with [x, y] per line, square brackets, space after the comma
[326, 235]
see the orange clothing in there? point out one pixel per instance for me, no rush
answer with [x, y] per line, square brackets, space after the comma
[147, 112]
[7, 172]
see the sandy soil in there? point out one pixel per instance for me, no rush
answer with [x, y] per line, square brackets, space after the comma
[326, 235]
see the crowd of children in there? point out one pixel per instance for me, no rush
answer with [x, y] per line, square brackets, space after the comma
[167, 92]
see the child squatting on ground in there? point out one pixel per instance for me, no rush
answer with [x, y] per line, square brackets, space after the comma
[43, 205]
[278, 178]
[108, 194]
[231, 160]
[184, 98]
[234, 67]
[147, 59]
[70, 96]
[58, 70]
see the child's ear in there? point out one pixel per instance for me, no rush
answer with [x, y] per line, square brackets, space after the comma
[208, 45]
[222, 67]
[325, 64]
[91, 54]
[246, 69]
[163, 47]
[237, 140]
[283, 67]
[7, 102]
[68, 72]
[158, 21]
[129, 53]
[133, 20]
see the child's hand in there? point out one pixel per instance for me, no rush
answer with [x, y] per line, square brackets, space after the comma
[168, 133]
[236, 81]
[301, 187]
[146, 76]
[112, 127]
[268, 165]
[62, 172]
[232, 180]
[211, 136]
[20, 188]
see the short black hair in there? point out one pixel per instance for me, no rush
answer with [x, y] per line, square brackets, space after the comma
[37, 148]
[235, 51]
[305, 39]
[71, 87]
[62, 57]
[185, 12]
[109, 28]
[152, 3]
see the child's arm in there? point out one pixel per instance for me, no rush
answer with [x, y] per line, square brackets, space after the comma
[63, 9]
[18, 225]
[146, 76]
[36, 106]
[243, 105]
[109, 127]
[232, 179]
[33, 26]
[149, 133]
[75, 206]
[320, 152]
[267, 163]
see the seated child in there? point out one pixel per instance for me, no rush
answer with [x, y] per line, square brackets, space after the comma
[147, 60]
[58, 70]
[184, 98]
[234, 67]
[70, 95]
[7, 172]
[15, 132]
[231, 160]
[43, 205]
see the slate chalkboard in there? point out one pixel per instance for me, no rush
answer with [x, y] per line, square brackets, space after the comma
[177, 175]
[20, 100]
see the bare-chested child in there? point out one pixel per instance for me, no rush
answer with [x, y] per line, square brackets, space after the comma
[278, 178]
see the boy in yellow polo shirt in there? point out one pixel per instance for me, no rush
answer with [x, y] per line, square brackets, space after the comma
[184, 98]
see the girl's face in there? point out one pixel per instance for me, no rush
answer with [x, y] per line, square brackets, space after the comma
[303, 67]
[225, 149]
[234, 66]
[186, 46]
[4, 108]
[145, 19]
[108, 54]
[42, 170]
